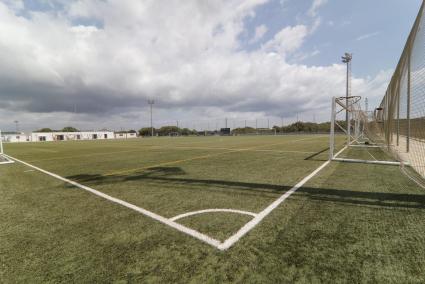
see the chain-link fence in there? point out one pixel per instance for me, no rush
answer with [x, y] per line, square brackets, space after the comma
[400, 118]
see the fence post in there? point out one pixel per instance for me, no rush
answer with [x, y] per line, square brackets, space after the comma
[398, 112]
[409, 54]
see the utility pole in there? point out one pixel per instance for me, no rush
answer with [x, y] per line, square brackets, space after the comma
[256, 124]
[225, 126]
[151, 102]
[347, 58]
[268, 123]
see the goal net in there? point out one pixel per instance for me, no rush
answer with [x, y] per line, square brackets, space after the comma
[402, 110]
[356, 134]
[3, 158]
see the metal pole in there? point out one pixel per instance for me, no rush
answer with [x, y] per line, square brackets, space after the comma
[408, 100]
[346, 96]
[17, 126]
[398, 114]
[348, 128]
[1, 144]
[332, 134]
[347, 59]
[151, 122]
[151, 102]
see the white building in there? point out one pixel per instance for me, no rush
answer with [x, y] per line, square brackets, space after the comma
[15, 137]
[125, 135]
[67, 136]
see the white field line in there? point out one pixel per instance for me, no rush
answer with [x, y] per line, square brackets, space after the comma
[238, 149]
[145, 212]
[199, 158]
[202, 237]
[175, 218]
[149, 147]
[260, 216]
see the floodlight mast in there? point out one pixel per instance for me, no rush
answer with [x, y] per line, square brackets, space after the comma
[347, 58]
[151, 102]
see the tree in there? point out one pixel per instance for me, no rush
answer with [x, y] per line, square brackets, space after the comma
[45, 130]
[167, 130]
[70, 129]
[146, 131]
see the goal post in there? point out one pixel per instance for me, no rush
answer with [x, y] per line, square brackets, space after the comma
[355, 139]
[3, 158]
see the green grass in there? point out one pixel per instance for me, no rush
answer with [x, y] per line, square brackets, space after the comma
[351, 223]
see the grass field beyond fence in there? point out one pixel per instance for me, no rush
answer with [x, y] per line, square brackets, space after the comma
[349, 223]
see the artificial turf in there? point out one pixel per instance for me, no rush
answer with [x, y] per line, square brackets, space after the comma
[350, 223]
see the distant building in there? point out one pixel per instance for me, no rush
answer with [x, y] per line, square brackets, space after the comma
[125, 135]
[67, 136]
[15, 137]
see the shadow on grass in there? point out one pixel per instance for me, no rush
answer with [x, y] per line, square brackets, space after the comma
[170, 176]
[314, 156]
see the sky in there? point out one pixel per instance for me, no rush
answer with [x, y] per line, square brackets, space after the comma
[94, 64]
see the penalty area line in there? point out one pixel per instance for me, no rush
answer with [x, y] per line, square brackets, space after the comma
[166, 221]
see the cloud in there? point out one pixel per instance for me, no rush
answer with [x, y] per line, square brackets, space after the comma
[260, 31]
[367, 36]
[187, 56]
[315, 6]
[287, 40]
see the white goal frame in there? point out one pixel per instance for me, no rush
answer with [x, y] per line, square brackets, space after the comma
[355, 129]
[6, 159]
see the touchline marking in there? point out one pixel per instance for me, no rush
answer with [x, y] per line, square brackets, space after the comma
[145, 212]
[238, 149]
[260, 216]
[175, 218]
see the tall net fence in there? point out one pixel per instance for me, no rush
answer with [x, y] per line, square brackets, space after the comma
[400, 118]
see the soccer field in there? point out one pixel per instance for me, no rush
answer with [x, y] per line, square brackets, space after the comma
[206, 209]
